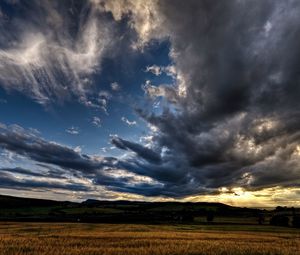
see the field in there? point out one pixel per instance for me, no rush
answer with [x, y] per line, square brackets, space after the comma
[135, 239]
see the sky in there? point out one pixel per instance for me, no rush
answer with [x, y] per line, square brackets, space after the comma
[161, 100]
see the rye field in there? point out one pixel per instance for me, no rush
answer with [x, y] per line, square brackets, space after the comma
[136, 239]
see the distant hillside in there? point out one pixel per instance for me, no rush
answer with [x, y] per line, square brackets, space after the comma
[17, 202]
[31, 209]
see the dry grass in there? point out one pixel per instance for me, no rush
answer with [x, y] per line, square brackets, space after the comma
[105, 239]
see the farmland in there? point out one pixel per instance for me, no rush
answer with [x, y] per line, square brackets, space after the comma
[34, 226]
[139, 239]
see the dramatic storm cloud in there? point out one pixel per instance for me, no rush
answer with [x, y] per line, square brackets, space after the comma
[237, 114]
[210, 91]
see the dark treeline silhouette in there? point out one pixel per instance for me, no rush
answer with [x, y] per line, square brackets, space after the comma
[285, 217]
[29, 209]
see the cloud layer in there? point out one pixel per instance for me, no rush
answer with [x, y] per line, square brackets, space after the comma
[237, 114]
[233, 117]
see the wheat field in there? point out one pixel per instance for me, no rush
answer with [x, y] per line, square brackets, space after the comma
[109, 239]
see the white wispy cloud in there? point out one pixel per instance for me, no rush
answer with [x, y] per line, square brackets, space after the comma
[78, 149]
[115, 86]
[73, 130]
[158, 70]
[103, 99]
[45, 61]
[96, 121]
[128, 122]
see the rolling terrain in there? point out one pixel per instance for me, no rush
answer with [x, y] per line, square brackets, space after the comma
[40, 227]
[29, 209]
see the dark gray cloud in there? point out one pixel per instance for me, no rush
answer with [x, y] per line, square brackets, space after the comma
[234, 118]
[56, 162]
[50, 171]
[20, 170]
[8, 180]
[140, 150]
[237, 123]
[18, 140]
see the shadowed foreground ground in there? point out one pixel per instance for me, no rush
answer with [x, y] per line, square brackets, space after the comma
[106, 239]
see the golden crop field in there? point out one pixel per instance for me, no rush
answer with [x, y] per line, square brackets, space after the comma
[110, 239]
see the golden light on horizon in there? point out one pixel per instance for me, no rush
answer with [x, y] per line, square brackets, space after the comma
[237, 196]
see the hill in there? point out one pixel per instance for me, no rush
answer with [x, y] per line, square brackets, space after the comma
[17, 202]
[32, 209]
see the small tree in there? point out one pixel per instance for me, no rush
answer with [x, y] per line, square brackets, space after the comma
[261, 218]
[296, 221]
[210, 216]
[280, 220]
